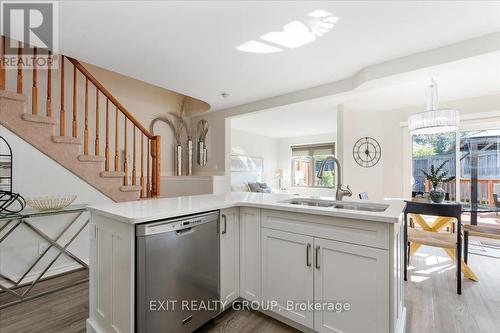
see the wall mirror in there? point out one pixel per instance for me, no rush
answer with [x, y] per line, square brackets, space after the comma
[5, 166]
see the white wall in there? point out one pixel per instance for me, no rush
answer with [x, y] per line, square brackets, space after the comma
[249, 144]
[390, 178]
[285, 157]
[219, 133]
[358, 124]
[34, 175]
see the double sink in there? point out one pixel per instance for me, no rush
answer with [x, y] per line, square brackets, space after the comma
[366, 207]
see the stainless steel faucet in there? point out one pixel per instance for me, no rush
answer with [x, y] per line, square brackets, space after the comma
[340, 191]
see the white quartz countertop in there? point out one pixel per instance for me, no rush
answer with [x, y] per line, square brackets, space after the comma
[141, 211]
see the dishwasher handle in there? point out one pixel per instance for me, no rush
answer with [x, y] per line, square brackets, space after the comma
[185, 231]
[224, 218]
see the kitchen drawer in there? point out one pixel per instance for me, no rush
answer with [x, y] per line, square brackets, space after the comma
[374, 234]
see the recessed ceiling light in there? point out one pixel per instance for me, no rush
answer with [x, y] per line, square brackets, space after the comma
[253, 46]
[294, 34]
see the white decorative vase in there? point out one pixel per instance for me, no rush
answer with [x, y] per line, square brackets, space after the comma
[189, 148]
[201, 148]
[178, 160]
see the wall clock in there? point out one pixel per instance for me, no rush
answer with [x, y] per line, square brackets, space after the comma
[367, 152]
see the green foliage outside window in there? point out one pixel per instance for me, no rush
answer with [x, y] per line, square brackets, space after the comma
[328, 179]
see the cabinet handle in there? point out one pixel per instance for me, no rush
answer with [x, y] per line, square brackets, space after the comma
[225, 224]
[317, 257]
[308, 249]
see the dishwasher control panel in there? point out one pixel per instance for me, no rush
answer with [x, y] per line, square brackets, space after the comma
[175, 224]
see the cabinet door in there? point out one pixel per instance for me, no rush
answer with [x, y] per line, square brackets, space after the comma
[287, 273]
[355, 274]
[229, 255]
[250, 287]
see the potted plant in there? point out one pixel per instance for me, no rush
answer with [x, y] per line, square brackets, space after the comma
[437, 178]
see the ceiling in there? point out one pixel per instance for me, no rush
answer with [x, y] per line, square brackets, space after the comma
[300, 119]
[466, 78]
[189, 46]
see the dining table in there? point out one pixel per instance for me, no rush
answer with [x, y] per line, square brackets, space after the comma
[426, 208]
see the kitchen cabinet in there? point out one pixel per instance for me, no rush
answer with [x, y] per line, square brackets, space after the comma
[354, 274]
[359, 281]
[229, 255]
[287, 273]
[264, 255]
[250, 261]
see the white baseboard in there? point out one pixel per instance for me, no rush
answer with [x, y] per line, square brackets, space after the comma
[401, 327]
[92, 327]
[287, 321]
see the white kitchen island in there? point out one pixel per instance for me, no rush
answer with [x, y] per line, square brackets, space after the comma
[270, 253]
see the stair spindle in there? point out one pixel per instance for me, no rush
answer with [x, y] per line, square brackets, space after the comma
[148, 184]
[86, 130]
[48, 104]
[96, 147]
[34, 88]
[117, 168]
[62, 120]
[142, 165]
[125, 163]
[19, 68]
[2, 68]
[134, 173]
[73, 123]
[106, 150]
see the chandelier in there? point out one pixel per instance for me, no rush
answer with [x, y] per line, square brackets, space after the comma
[434, 120]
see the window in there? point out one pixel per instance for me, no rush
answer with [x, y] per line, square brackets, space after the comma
[433, 149]
[472, 155]
[306, 160]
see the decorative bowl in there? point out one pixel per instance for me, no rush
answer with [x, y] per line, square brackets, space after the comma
[54, 202]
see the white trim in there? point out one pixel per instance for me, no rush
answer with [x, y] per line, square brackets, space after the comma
[51, 272]
[407, 165]
[93, 327]
[480, 115]
[401, 324]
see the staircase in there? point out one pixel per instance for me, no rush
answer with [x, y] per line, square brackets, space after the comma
[101, 142]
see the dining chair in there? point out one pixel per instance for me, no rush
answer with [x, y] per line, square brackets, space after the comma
[495, 200]
[363, 195]
[450, 242]
[479, 231]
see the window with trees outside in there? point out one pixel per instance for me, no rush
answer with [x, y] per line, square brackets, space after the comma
[306, 160]
[432, 149]
[477, 150]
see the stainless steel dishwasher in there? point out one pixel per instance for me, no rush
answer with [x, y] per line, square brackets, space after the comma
[177, 276]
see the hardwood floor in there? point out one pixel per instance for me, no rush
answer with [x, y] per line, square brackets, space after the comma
[431, 300]
[232, 321]
[433, 305]
[61, 311]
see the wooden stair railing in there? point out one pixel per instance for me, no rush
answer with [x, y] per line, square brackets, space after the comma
[149, 178]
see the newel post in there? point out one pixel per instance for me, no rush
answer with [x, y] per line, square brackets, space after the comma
[156, 170]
